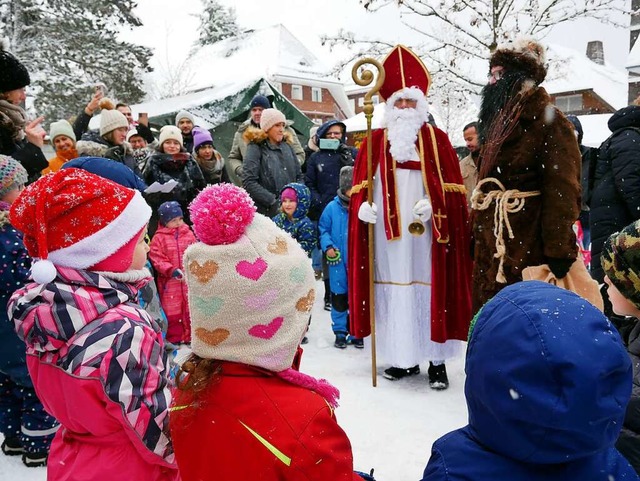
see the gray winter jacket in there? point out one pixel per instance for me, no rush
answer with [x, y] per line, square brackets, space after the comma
[267, 168]
[239, 150]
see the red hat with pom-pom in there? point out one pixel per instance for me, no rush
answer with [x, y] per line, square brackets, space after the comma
[77, 219]
[251, 286]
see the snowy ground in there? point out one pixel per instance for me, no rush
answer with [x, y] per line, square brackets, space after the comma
[391, 427]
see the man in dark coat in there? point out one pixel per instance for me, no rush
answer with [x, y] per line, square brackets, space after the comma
[615, 201]
[528, 192]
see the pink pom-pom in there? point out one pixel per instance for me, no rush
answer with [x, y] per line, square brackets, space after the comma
[221, 214]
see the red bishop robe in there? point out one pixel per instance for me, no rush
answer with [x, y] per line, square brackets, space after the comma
[451, 262]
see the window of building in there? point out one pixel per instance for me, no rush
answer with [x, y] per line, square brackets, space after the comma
[296, 92]
[316, 94]
[375, 99]
[360, 101]
[569, 103]
[352, 103]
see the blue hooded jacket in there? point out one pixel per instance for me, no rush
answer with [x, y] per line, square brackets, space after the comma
[333, 227]
[548, 381]
[323, 170]
[300, 228]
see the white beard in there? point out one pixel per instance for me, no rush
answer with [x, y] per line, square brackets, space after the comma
[403, 125]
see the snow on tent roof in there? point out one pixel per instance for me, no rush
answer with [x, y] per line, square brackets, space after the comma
[255, 54]
[573, 71]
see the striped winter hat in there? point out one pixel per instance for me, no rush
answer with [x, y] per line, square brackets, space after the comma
[620, 260]
[12, 175]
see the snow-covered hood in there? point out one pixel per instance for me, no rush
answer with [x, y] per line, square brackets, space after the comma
[548, 378]
[47, 316]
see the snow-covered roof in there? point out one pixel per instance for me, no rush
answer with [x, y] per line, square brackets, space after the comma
[190, 102]
[573, 71]
[595, 129]
[273, 53]
[633, 60]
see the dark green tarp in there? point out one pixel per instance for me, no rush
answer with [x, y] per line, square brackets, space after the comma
[228, 113]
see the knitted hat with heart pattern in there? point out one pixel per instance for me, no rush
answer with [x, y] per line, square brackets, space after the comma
[251, 286]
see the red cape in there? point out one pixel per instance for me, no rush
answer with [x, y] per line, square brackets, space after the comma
[450, 256]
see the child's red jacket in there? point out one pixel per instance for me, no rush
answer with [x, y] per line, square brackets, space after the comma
[251, 424]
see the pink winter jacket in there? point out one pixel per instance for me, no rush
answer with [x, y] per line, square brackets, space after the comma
[98, 364]
[167, 249]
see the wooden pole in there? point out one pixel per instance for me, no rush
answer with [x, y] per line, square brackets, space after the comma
[363, 79]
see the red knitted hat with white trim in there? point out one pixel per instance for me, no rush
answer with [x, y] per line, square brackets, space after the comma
[77, 219]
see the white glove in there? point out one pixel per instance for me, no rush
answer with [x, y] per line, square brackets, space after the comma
[423, 210]
[368, 213]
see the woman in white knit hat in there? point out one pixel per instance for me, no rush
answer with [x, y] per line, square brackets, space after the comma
[111, 142]
[63, 140]
[172, 162]
[270, 162]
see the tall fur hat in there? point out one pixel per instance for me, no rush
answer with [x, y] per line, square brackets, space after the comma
[522, 54]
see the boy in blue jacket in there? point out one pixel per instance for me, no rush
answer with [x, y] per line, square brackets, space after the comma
[333, 227]
[27, 428]
[548, 381]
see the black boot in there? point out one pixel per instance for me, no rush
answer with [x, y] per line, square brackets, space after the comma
[35, 460]
[12, 447]
[438, 379]
[395, 373]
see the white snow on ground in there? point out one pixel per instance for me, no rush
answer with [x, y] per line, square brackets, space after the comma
[391, 427]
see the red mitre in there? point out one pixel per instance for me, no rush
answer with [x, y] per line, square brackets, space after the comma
[403, 68]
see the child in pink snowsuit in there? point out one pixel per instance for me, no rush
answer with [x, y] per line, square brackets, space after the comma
[167, 248]
[96, 358]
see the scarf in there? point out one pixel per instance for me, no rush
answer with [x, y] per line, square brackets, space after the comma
[13, 117]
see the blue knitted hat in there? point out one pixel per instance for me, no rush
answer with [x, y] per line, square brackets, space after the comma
[169, 211]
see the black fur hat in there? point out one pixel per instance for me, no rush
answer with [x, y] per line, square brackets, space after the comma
[13, 74]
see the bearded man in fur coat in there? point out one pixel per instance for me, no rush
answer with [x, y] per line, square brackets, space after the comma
[422, 288]
[528, 192]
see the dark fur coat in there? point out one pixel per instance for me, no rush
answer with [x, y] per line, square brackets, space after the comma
[541, 154]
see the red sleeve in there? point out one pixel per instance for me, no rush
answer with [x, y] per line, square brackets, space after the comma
[158, 255]
[324, 451]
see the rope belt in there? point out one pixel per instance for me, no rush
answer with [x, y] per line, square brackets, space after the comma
[507, 202]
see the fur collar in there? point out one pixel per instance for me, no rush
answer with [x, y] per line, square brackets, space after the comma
[537, 106]
[258, 136]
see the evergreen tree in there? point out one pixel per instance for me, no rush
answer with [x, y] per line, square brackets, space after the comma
[216, 23]
[70, 46]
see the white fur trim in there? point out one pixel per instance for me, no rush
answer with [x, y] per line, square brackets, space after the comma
[97, 247]
[127, 276]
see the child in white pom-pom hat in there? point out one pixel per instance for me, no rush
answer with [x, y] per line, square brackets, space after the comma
[251, 288]
[96, 357]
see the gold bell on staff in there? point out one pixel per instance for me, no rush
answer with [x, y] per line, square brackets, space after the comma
[416, 228]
